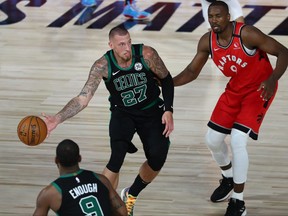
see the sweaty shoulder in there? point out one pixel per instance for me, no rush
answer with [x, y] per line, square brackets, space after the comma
[251, 36]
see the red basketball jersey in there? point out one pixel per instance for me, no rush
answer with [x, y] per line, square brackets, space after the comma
[247, 70]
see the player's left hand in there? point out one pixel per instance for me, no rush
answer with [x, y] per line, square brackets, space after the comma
[167, 119]
[268, 89]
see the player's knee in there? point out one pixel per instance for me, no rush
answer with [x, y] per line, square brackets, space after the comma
[239, 140]
[114, 164]
[214, 140]
[157, 154]
[118, 153]
[156, 163]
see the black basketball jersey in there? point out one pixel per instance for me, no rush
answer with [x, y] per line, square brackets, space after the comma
[133, 87]
[82, 194]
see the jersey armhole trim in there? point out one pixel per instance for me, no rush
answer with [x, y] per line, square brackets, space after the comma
[57, 187]
[109, 68]
[142, 57]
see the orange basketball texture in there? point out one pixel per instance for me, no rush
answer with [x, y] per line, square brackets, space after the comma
[32, 130]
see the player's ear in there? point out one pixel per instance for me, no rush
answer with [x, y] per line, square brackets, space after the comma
[56, 161]
[79, 159]
[229, 16]
[110, 44]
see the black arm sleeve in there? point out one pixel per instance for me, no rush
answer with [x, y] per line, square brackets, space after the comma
[168, 92]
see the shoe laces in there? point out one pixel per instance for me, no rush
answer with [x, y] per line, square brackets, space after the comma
[130, 202]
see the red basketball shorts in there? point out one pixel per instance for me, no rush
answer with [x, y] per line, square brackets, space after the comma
[244, 112]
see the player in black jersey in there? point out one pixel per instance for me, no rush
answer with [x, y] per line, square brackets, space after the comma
[130, 72]
[77, 191]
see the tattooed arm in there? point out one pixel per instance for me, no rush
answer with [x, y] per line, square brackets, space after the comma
[78, 103]
[155, 63]
[158, 67]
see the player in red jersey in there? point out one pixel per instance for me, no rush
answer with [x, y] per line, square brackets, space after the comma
[240, 52]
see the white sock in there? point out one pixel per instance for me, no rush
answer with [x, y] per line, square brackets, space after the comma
[238, 196]
[227, 173]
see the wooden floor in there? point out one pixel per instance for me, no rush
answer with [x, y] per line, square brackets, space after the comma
[44, 61]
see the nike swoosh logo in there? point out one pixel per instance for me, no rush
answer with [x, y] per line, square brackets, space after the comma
[160, 106]
[215, 49]
[116, 72]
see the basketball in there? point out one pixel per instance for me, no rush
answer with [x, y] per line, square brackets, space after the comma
[32, 130]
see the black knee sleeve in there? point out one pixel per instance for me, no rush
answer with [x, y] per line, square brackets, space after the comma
[118, 153]
[156, 163]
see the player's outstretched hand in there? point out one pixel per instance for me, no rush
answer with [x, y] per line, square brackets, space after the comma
[51, 122]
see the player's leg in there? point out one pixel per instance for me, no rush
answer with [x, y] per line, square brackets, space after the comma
[235, 10]
[205, 4]
[215, 142]
[112, 176]
[121, 131]
[240, 162]
[247, 123]
[156, 146]
[129, 194]
[146, 175]
[220, 124]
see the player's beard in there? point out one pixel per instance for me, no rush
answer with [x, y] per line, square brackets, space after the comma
[216, 29]
[126, 56]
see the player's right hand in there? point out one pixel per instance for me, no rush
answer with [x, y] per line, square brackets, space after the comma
[167, 119]
[51, 122]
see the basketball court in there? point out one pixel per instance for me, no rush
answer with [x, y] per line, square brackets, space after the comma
[47, 49]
